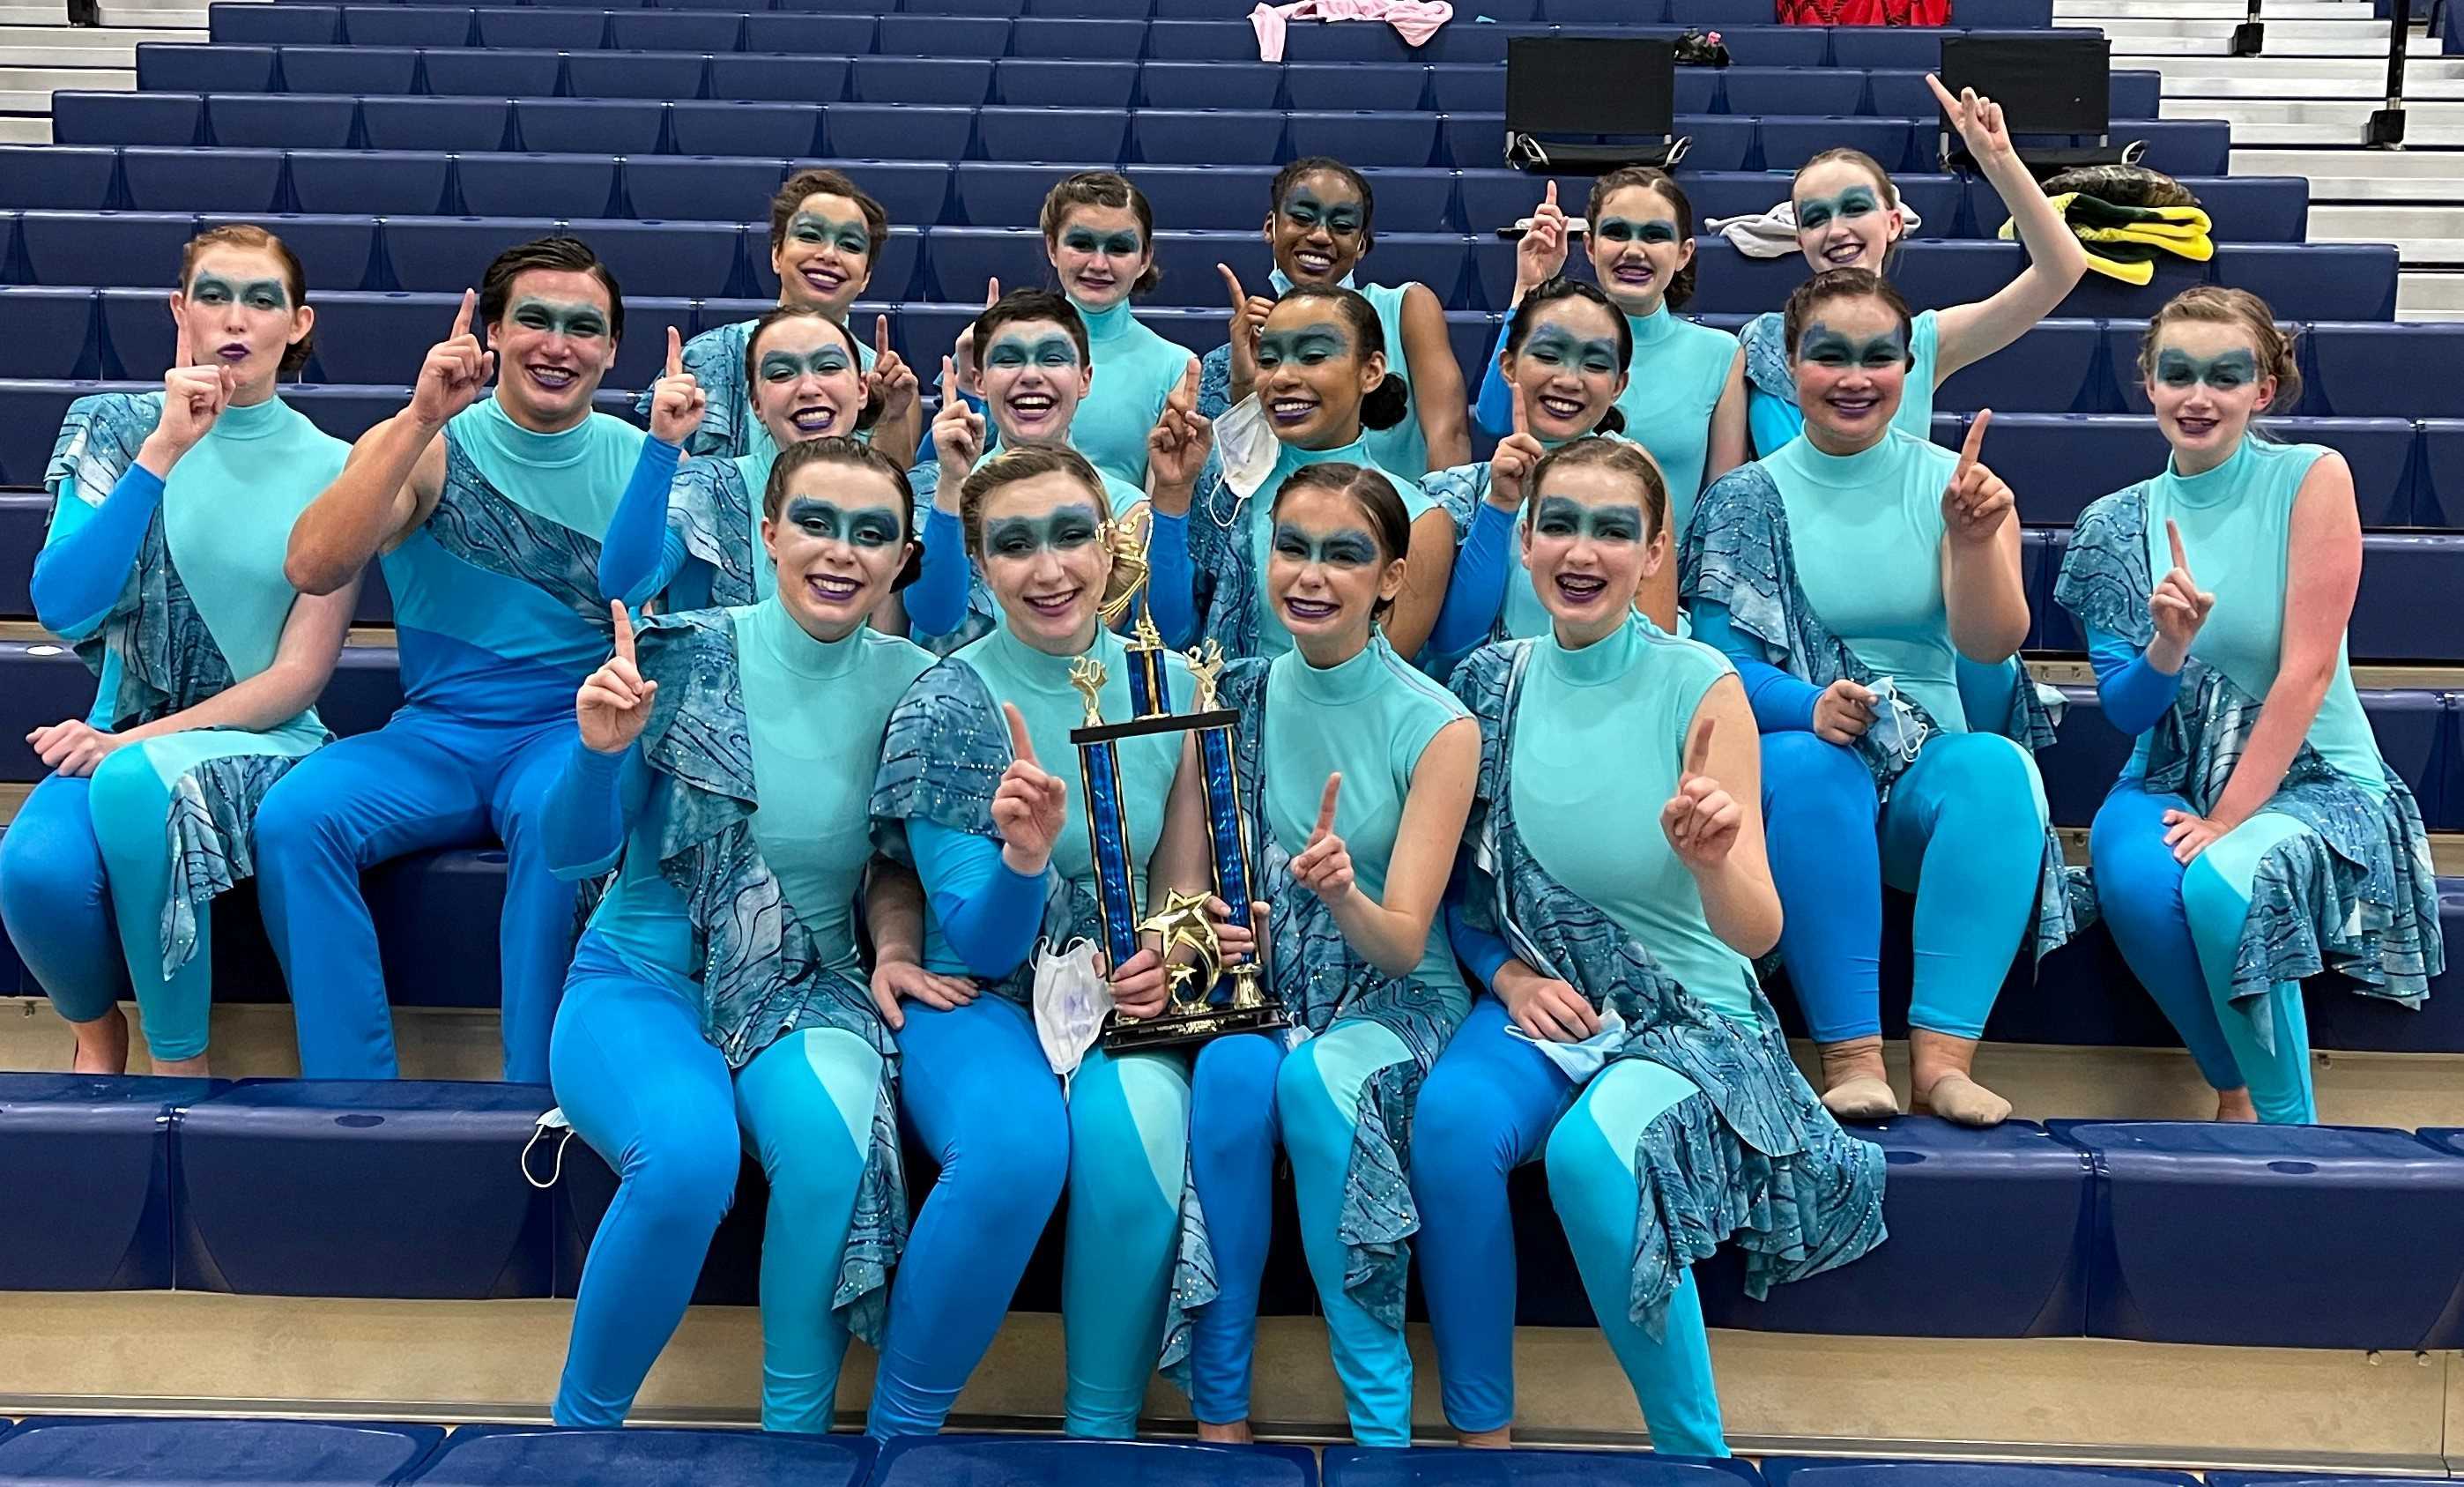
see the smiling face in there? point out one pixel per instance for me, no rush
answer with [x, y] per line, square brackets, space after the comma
[236, 310]
[806, 382]
[1590, 543]
[839, 540]
[825, 259]
[1032, 381]
[1099, 253]
[1326, 574]
[1638, 246]
[552, 345]
[2206, 385]
[1319, 229]
[1046, 561]
[1851, 361]
[1844, 217]
[1569, 368]
[1311, 375]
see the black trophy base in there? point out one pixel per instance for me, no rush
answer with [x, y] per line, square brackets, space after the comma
[1122, 1035]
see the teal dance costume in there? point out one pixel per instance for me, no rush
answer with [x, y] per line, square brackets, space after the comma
[2333, 874]
[1135, 370]
[980, 1091]
[948, 605]
[1403, 449]
[690, 530]
[1344, 1096]
[720, 990]
[1685, 1109]
[172, 592]
[1771, 414]
[729, 425]
[1805, 568]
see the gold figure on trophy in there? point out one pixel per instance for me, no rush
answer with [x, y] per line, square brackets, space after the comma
[1087, 675]
[1127, 537]
[1205, 670]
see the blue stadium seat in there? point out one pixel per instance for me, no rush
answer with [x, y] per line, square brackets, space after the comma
[1216, 40]
[920, 79]
[876, 131]
[1449, 1466]
[1949, 1185]
[1024, 82]
[454, 124]
[785, 79]
[2438, 498]
[1788, 143]
[408, 25]
[1082, 40]
[174, 68]
[274, 25]
[78, 246]
[337, 252]
[1781, 46]
[127, 118]
[1205, 136]
[1794, 90]
[1025, 1461]
[1344, 89]
[1003, 8]
[1056, 135]
[2405, 611]
[1800, 1471]
[963, 257]
[914, 193]
[90, 1159]
[407, 1188]
[743, 129]
[942, 36]
[1210, 85]
[625, 127]
[1722, 13]
[1467, 90]
[642, 356]
[830, 36]
[135, 326]
[1093, 9]
[1728, 282]
[1878, 48]
[636, 75]
[23, 519]
[1609, 12]
[487, 1455]
[2047, 371]
[2061, 463]
[542, 186]
[2271, 1237]
[1366, 139]
[2377, 369]
[445, 254]
[379, 339]
[45, 682]
[192, 180]
[671, 258]
[552, 30]
[675, 30]
[692, 189]
[349, 69]
[62, 177]
[284, 121]
[498, 73]
[51, 331]
[1000, 193]
[147, 1448]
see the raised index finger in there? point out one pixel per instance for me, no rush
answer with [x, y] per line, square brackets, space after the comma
[1974, 445]
[1185, 396]
[676, 353]
[992, 293]
[2173, 535]
[881, 335]
[1522, 409]
[1698, 749]
[1949, 104]
[1325, 804]
[462, 316]
[1021, 746]
[623, 628]
[1549, 197]
[1232, 283]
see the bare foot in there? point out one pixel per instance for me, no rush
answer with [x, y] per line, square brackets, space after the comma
[1854, 1084]
[2235, 1105]
[1939, 1065]
[180, 1068]
[1234, 1432]
[101, 1044]
[1497, 1439]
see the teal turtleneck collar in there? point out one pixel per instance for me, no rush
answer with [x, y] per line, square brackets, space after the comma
[1038, 671]
[797, 650]
[1295, 457]
[1653, 329]
[1352, 680]
[1283, 282]
[2210, 487]
[546, 451]
[1109, 323]
[255, 421]
[1604, 660]
[1848, 472]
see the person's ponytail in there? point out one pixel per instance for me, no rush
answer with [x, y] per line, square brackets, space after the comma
[1387, 404]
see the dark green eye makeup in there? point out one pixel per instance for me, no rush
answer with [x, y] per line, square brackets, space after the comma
[1116, 245]
[1554, 346]
[1055, 350]
[848, 237]
[1347, 547]
[1341, 216]
[788, 366]
[1559, 517]
[1626, 230]
[2224, 371]
[1824, 347]
[578, 322]
[257, 293]
[1318, 342]
[867, 526]
[1856, 200]
[1064, 528]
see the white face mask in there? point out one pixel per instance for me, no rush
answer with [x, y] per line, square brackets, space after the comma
[1579, 1062]
[1070, 1002]
[1245, 446]
[1896, 729]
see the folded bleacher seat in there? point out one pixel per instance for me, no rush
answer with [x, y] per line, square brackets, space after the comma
[87, 1161]
[2271, 1235]
[781, 79]
[173, 67]
[2366, 370]
[1253, 85]
[51, 332]
[401, 1188]
[144, 1449]
[877, 131]
[1030, 1461]
[63, 176]
[538, 28]
[355, 69]
[2438, 496]
[410, 26]
[656, 76]
[1024, 82]
[675, 30]
[1803, 1471]
[497, 73]
[2013, 1191]
[497, 1455]
[23, 519]
[721, 128]
[1449, 1466]
[274, 25]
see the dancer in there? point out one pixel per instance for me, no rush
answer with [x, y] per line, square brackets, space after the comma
[2257, 836]
[1616, 843]
[487, 514]
[690, 1027]
[163, 567]
[1321, 222]
[1847, 575]
[1099, 235]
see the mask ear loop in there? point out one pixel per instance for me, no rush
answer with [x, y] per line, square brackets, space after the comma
[554, 1121]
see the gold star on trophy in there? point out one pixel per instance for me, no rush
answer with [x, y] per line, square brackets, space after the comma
[1183, 923]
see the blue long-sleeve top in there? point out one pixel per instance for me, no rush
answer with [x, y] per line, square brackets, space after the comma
[989, 911]
[81, 572]
[643, 551]
[2133, 693]
[1482, 952]
[1171, 583]
[1782, 703]
[1476, 590]
[590, 807]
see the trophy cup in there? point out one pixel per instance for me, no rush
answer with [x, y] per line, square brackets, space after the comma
[1206, 998]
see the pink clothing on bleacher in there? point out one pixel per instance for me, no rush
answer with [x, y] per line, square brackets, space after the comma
[1417, 20]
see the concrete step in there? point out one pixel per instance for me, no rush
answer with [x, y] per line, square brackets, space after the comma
[24, 130]
[2417, 136]
[2427, 114]
[2417, 88]
[2384, 224]
[2356, 43]
[2376, 164]
[2221, 27]
[43, 79]
[74, 37]
[92, 54]
[2430, 297]
[117, 16]
[2097, 12]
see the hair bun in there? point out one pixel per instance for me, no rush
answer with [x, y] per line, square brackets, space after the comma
[1387, 404]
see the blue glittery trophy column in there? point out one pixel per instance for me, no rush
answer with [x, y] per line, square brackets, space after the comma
[1107, 824]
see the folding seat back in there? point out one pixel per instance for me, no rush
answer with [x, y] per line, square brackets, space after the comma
[1365, 139]
[273, 25]
[675, 30]
[498, 73]
[780, 79]
[127, 118]
[192, 180]
[655, 75]
[541, 28]
[2438, 497]
[942, 36]
[539, 186]
[963, 257]
[2136, 93]
[69, 247]
[920, 79]
[1467, 90]
[677, 260]
[1915, 48]
[1028, 83]
[1003, 193]
[1789, 143]
[379, 339]
[336, 251]
[1211, 198]
[1728, 282]
[642, 356]
[1370, 86]
[1711, 15]
[1092, 10]
[408, 26]
[1081, 40]
[146, 1449]
[2404, 613]
[741, 129]
[1216, 40]
[349, 69]
[701, 188]
[175, 68]
[459, 124]
[280, 120]
[68, 178]
[2377, 369]
[877, 131]
[625, 127]
[2313, 282]
[1206, 136]
[2183, 146]
[1060, 135]
[811, 36]
[912, 193]
[2046, 371]
[51, 334]
[1002, 10]
[480, 1455]
[1209, 85]
[445, 254]
[371, 182]
[2254, 209]
[1779, 46]
[1607, 12]
[1794, 90]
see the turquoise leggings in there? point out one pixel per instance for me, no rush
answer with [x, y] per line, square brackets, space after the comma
[1139, 1124]
[2180, 931]
[640, 1083]
[1492, 1103]
[84, 871]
